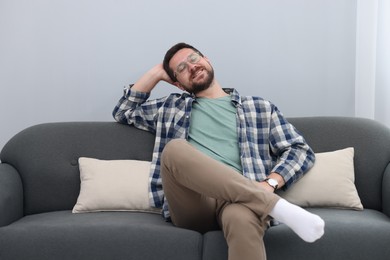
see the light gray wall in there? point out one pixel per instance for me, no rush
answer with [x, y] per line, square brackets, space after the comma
[67, 60]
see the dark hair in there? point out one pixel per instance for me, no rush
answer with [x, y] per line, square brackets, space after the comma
[171, 52]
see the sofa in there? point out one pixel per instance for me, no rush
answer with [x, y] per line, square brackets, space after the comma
[40, 184]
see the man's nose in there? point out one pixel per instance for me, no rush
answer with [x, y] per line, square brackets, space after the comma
[192, 67]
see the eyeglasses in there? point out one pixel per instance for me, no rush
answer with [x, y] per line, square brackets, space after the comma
[192, 58]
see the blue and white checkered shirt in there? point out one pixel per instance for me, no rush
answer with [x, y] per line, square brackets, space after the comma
[268, 143]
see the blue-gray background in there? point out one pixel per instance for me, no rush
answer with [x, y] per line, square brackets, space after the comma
[68, 60]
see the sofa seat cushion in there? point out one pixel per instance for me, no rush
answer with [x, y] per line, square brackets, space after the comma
[358, 235]
[103, 235]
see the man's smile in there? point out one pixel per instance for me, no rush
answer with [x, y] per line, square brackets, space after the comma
[196, 73]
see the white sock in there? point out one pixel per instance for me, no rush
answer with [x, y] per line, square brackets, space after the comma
[306, 225]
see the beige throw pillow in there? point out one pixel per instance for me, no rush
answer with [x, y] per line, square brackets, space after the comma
[330, 183]
[113, 185]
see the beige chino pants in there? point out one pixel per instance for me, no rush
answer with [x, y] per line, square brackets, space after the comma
[204, 194]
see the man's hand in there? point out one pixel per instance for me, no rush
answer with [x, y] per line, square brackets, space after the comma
[150, 79]
[163, 74]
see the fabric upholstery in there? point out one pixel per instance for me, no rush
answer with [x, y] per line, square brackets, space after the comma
[113, 185]
[40, 183]
[329, 183]
[46, 156]
[386, 191]
[11, 195]
[347, 236]
[366, 136]
[103, 235]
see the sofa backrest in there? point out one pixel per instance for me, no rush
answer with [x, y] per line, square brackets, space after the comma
[370, 139]
[46, 155]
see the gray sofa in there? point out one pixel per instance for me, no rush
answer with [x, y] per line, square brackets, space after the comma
[40, 183]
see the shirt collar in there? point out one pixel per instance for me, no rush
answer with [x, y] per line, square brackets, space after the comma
[236, 98]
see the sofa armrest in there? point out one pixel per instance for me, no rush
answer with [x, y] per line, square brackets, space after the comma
[11, 195]
[386, 191]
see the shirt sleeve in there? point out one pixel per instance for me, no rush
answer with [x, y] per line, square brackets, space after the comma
[134, 108]
[295, 157]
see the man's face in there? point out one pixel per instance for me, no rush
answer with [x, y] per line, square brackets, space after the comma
[193, 72]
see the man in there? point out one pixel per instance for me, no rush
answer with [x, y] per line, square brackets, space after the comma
[218, 156]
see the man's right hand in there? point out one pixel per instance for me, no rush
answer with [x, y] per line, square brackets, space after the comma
[150, 79]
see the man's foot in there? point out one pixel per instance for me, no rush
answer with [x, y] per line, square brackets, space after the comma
[306, 225]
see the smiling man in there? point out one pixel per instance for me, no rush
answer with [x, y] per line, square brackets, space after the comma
[218, 156]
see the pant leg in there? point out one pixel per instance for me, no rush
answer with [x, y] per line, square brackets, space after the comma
[243, 232]
[184, 166]
[187, 208]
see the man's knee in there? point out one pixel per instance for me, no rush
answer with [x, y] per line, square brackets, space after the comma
[236, 213]
[172, 147]
[172, 155]
[238, 217]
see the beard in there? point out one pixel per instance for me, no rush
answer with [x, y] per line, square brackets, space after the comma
[203, 85]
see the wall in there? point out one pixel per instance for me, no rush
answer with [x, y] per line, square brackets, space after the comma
[67, 60]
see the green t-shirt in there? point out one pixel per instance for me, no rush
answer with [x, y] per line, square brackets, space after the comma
[213, 130]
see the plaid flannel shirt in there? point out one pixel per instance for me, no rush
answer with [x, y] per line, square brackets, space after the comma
[268, 143]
